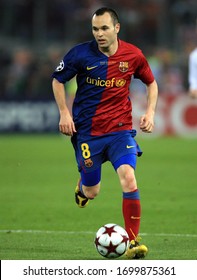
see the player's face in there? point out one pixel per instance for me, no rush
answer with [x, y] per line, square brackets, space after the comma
[105, 32]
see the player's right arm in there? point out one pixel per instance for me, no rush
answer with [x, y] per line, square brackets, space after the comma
[66, 124]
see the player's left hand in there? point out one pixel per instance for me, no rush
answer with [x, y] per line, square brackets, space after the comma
[146, 124]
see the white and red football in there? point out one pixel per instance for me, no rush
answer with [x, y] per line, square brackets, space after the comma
[111, 241]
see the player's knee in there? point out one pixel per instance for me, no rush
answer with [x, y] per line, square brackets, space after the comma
[128, 182]
[91, 192]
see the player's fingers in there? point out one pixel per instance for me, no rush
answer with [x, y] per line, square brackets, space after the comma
[66, 129]
[73, 128]
[142, 121]
[62, 129]
[148, 127]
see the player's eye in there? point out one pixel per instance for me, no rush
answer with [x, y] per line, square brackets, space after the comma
[105, 27]
[94, 28]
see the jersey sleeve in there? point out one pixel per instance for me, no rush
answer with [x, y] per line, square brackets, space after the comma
[143, 71]
[67, 68]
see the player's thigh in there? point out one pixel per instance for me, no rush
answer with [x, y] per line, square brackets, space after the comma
[89, 156]
[123, 149]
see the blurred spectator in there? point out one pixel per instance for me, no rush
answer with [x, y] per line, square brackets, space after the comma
[19, 74]
[40, 88]
[4, 62]
[170, 75]
[31, 33]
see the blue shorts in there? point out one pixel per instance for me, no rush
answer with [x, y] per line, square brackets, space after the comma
[92, 151]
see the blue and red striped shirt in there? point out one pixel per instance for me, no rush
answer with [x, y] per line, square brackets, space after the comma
[102, 103]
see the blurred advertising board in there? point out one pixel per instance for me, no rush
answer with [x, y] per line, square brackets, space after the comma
[28, 117]
[175, 115]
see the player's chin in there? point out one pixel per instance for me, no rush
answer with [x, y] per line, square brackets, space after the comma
[102, 44]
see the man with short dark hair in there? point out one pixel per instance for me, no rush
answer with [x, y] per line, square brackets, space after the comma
[101, 123]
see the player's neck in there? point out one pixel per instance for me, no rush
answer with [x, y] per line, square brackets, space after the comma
[111, 50]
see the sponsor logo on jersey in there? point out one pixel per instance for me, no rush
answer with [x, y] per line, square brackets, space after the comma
[91, 67]
[114, 82]
[123, 66]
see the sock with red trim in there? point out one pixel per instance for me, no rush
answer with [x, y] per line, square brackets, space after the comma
[131, 210]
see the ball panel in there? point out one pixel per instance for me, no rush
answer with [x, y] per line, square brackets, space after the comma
[112, 255]
[102, 250]
[104, 239]
[116, 238]
[100, 231]
[120, 229]
[121, 248]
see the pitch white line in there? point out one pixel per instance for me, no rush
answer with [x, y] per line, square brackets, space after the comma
[43, 231]
[88, 232]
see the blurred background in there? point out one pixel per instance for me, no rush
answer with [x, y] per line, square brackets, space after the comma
[35, 35]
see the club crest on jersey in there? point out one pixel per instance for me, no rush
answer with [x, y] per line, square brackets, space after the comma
[124, 66]
[88, 162]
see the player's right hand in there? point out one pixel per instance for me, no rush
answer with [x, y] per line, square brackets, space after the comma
[66, 125]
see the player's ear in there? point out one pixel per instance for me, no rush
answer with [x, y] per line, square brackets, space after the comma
[117, 27]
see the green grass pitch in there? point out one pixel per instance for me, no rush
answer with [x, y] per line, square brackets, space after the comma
[40, 221]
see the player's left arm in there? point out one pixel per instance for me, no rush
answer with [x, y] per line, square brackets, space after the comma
[147, 120]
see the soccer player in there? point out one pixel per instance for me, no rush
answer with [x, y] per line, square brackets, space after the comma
[101, 122]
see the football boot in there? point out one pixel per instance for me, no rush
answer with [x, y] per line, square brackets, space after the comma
[80, 198]
[135, 250]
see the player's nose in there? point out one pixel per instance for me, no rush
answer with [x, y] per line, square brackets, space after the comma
[100, 33]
